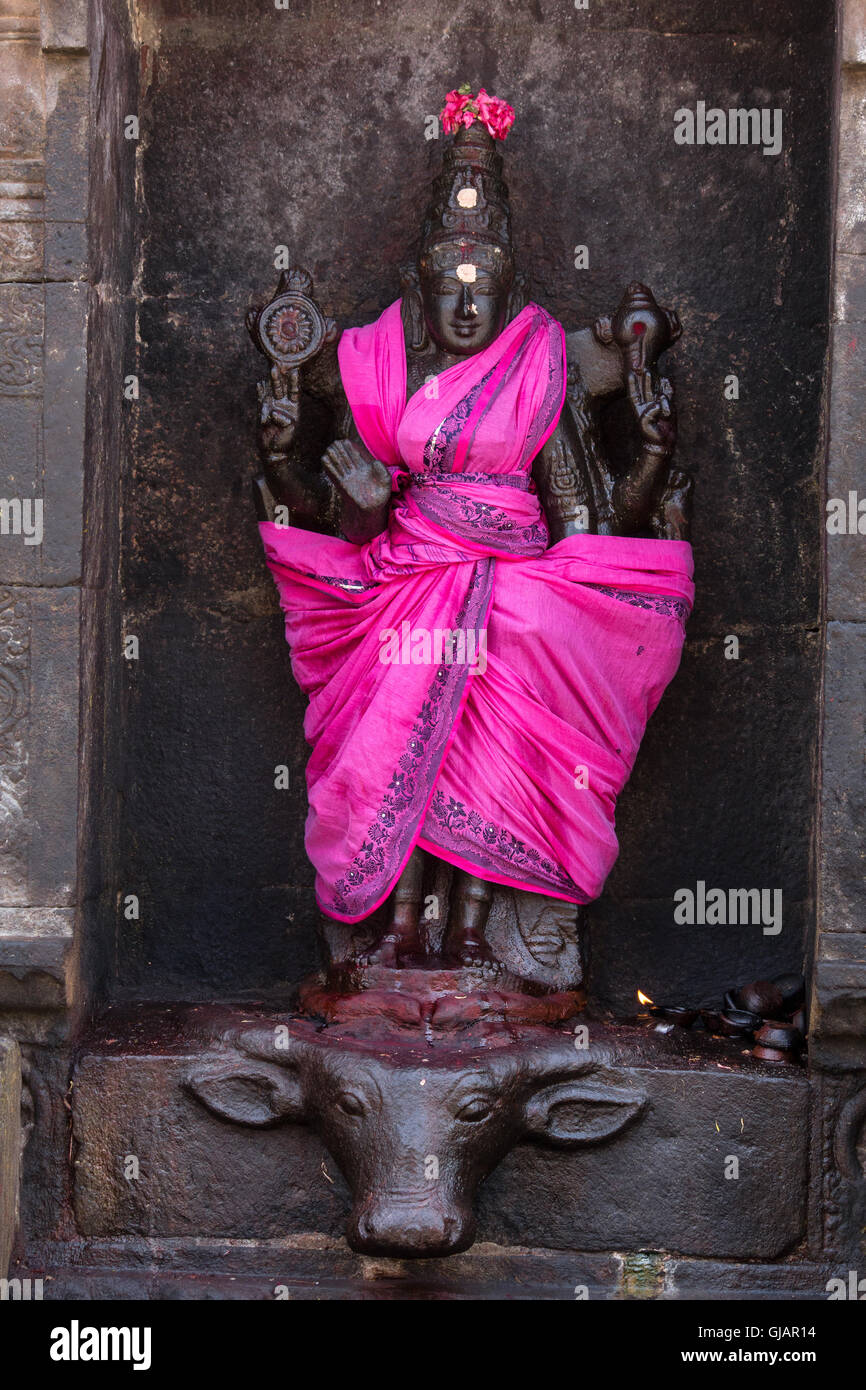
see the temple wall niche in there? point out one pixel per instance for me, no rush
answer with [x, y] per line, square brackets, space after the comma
[45, 76]
[150, 531]
[235, 160]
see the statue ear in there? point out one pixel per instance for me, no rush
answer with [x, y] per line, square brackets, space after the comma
[247, 1090]
[581, 1112]
[518, 296]
[412, 310]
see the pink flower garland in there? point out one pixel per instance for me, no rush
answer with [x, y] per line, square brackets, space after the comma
[462, 108]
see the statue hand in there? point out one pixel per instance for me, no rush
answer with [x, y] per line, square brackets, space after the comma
[654, 410]
[357, 475]
[279, 410]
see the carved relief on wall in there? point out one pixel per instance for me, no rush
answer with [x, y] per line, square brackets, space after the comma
[21, 332]
[14, 707]
[20, 250]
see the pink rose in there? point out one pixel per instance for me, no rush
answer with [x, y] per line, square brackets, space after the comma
[462, 108]
[454, 113]
[495, 114]
[484, 104]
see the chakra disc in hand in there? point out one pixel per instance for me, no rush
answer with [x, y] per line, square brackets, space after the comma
[290, 329]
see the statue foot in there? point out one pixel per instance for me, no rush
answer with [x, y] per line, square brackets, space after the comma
[383, 953]
[391, 949]
[673, 514]
[468, 948]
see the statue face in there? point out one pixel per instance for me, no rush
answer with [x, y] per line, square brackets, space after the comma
[464, 289]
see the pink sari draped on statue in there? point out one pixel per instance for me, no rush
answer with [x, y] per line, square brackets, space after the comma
[505, 761]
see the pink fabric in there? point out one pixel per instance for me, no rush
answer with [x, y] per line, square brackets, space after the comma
[480, 765]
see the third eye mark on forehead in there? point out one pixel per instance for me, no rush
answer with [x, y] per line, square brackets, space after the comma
[482, 282]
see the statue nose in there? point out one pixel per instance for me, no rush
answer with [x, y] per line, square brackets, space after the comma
[410, 1234]
[467, 304]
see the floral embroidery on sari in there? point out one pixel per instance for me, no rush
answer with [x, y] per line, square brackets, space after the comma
[521, 481]
[495, 846]
[439, 449]
[349, 586]
[472, 519]
[670, 607]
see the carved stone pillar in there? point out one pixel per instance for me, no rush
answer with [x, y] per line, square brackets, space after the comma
[10, 1146]
[45, 74]
[838, 1022]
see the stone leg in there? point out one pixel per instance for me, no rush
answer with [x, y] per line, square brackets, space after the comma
[403, 937]
[470, 908]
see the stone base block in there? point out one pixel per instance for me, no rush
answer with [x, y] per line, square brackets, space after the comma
[713, 1168]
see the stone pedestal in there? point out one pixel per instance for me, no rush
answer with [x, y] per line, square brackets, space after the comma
[157, 1173]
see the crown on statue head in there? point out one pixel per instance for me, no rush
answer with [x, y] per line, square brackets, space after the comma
[470, 197]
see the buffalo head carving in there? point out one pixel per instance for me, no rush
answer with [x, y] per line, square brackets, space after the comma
[415, 1136]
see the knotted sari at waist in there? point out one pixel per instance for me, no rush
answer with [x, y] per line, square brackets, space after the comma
[470, 690]
[451, 517]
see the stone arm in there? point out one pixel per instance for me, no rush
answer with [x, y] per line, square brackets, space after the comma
[564, 473]
[577, 488]
[345, 491]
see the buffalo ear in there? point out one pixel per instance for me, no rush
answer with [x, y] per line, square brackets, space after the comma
[247, 1091]
[575, 1112]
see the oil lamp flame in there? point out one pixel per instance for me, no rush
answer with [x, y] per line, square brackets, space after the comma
[643, 998]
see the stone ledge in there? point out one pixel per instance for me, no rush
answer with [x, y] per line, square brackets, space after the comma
[63, 26]
[36, 923]
[313, 1266]
[33, 972]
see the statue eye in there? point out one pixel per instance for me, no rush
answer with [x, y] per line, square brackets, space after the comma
[475, 1109]
[350, 1104]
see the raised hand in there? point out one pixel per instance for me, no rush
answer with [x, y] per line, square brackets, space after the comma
[359, 477]
[654, 411]
[279, 408]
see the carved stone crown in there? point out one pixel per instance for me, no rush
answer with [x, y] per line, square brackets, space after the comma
[470, 197]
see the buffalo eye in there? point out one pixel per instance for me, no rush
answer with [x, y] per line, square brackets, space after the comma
[475, 1109]
[350, 1104]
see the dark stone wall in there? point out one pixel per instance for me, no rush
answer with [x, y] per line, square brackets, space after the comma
[305, 127]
